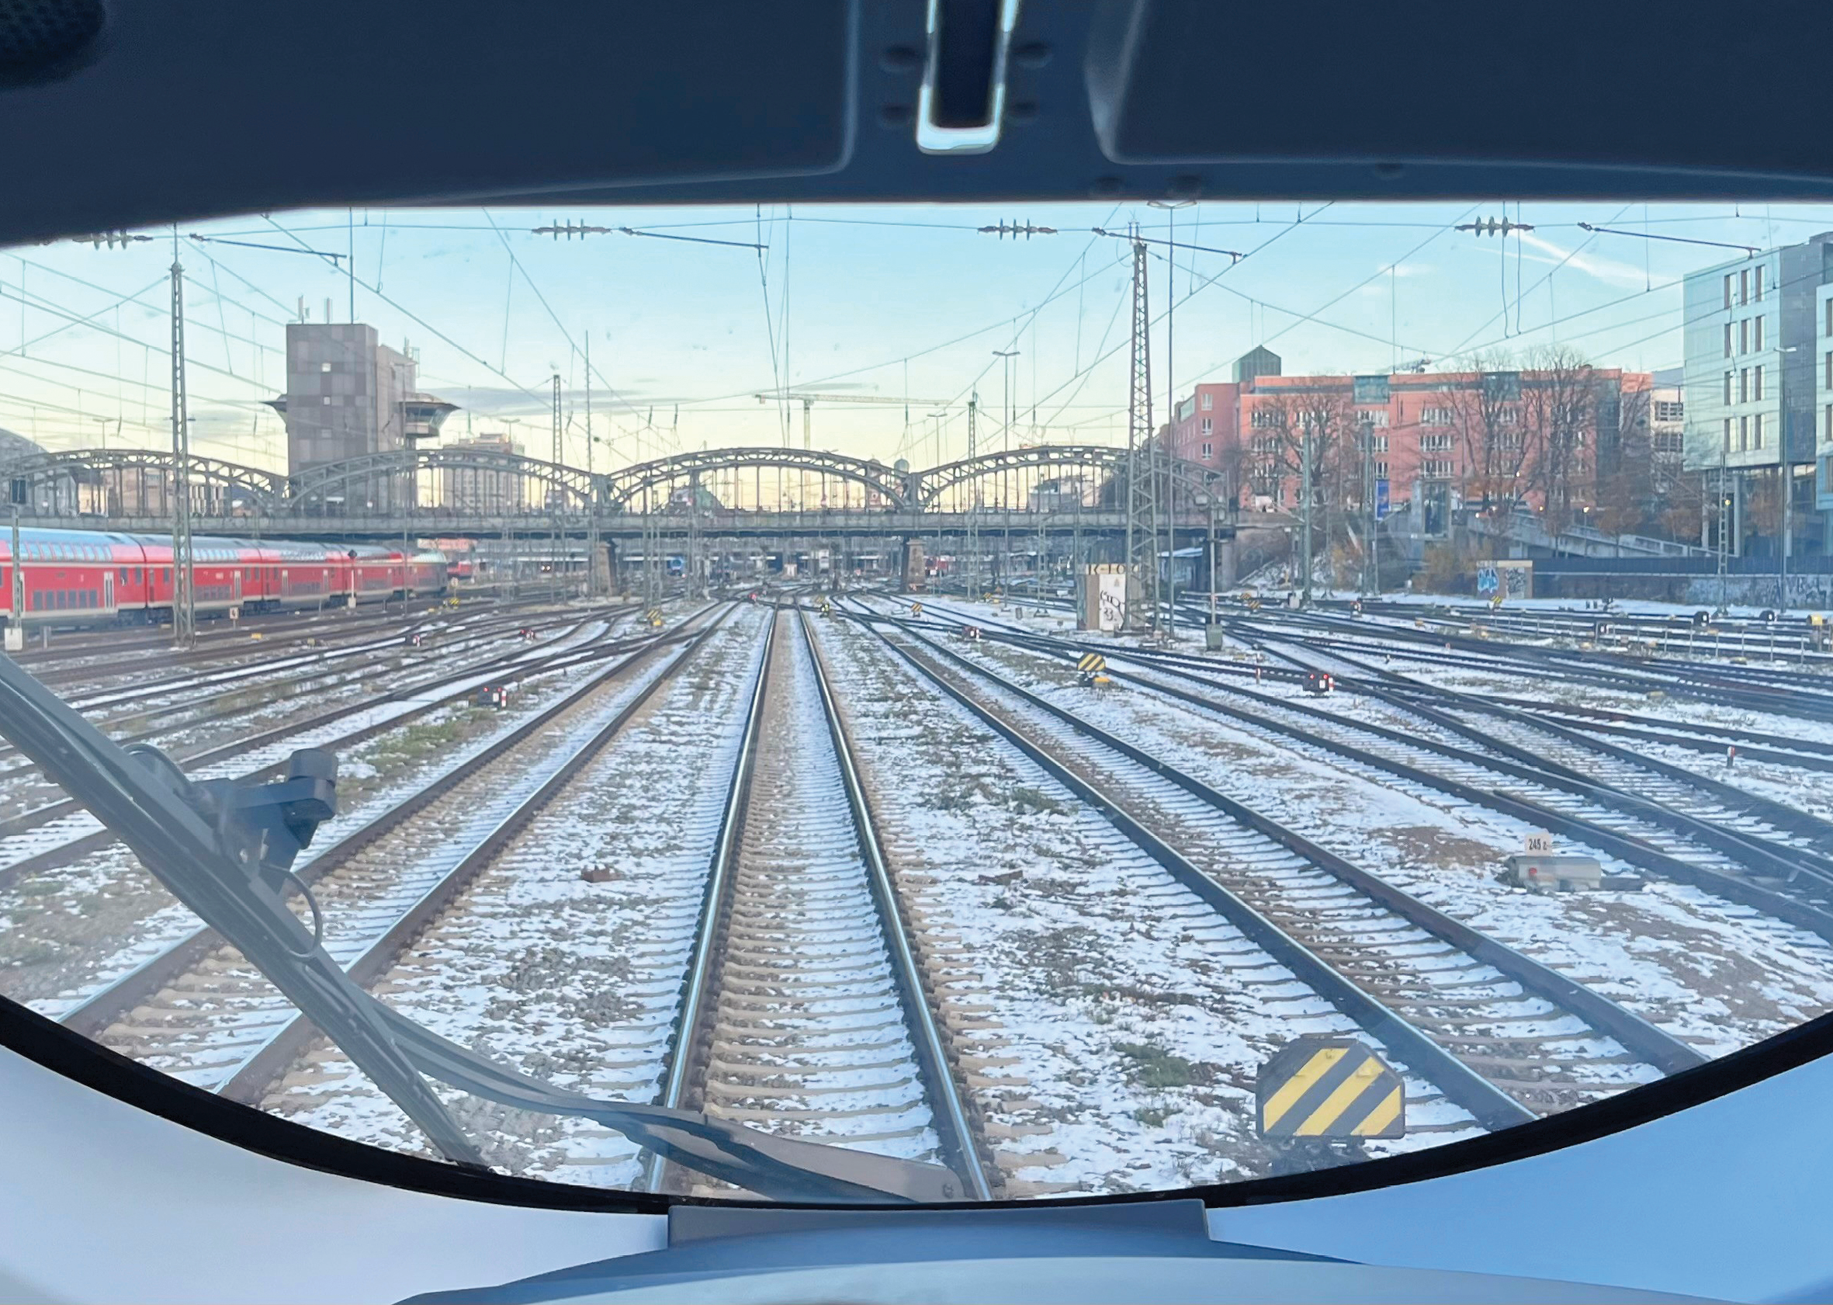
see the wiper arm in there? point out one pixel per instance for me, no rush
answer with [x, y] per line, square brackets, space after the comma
[226, 851]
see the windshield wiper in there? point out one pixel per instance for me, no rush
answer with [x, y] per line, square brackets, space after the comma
[226, 849]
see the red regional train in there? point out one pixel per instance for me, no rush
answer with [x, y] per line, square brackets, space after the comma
[83, 577]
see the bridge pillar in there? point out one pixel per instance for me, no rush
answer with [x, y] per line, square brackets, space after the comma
[1227, 562]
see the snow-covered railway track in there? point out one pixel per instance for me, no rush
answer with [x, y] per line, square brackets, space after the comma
[62, 834]
[216, 725]
[1502, 1034]
[198, 1010]
[805, 1010]
[1774, 880]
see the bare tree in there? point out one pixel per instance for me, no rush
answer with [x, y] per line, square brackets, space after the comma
[1559, 417]
[1488, 426]
[1626, 492]
[1322, 419]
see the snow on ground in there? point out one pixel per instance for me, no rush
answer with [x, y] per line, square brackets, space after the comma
[574, 982]
[1124, 1020]
[65, 933]
[1713, 973]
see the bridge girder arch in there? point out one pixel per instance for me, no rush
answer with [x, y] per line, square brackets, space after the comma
[128, 478]
[622, 488]
[510, 475]
[1188, 479]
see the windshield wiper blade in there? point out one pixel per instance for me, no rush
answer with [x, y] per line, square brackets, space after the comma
[226, 850]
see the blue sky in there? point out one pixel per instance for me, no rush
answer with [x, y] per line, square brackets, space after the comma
[875, 301]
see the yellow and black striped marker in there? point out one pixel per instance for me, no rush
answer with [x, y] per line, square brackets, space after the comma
[1091, 663]
[827, 608]
[654, 617]
[916, 609]
[1330, 1087]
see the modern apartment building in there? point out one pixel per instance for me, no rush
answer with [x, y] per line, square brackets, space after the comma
[1756, 333]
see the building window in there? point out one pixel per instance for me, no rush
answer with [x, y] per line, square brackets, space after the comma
[1759, 272]
[1744, 336]
[1209, 451]
[1743, 385]
[1759, 335]
[1727, 389]
[1376, 417]
[1436, 469]
[1436, 416]
[1729, 278]
[1743, 434]
[1756, 432]
[324, 367]
[1829, 330]
[1209, 402]
[1830, 411]
[1727, 434]
[1377, 443]
[1380, 470]
[1208, 424]
[1263, 418]
[1757, 384]
[1434, 443]
[1744, 286]
[1727, 339]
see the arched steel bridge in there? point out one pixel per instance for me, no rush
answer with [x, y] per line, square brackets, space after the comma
[459, 489]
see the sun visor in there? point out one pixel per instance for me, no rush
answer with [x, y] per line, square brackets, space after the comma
[172, 109]
[1576, 83]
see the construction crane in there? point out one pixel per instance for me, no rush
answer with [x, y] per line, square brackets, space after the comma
[808, 401]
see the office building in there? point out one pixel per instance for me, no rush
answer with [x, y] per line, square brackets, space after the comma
[1754, 338]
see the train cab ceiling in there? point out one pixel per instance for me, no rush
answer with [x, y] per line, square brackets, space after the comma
[730, 100]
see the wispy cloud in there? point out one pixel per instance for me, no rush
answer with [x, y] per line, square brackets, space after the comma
[1607, 270]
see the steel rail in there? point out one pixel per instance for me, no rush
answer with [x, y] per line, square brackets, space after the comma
[121, 994]
[1491, 1107]
[1794, 910]
[37, 816]
[697, 980]
[64, 853]
[931, 1047]
[268, 1061]
[1756, 851]
[1639, 1036]
[1779, 860]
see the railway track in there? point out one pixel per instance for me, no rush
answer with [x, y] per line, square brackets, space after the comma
[1498, 1033]
[805, 1010]
[820, 1052]
[215, 696]
[1766, 836]
[275, 639]
[1634, 831]
[61, 832]
[196, 1009]
[1791, 694]
[297, 622]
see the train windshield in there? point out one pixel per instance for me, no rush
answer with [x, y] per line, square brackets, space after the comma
[867, 703]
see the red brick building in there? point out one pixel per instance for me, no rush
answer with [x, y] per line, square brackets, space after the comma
[1441, 440]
